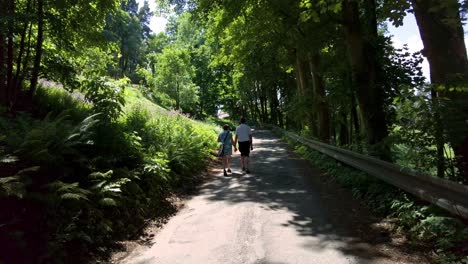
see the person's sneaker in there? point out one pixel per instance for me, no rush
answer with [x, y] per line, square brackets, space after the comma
[247, 171]
[229, 170]
[225, 173]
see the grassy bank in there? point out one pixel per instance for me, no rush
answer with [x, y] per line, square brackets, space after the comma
[77, 175]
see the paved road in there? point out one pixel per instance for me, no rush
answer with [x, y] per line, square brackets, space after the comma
[283, 212]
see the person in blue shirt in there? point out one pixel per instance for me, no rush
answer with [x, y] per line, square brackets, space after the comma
[225, 137]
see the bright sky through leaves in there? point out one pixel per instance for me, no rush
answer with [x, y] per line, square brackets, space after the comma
[409, 34]
[157, 24]
[406, 34]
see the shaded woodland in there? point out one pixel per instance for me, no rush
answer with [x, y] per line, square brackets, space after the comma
[101, 119]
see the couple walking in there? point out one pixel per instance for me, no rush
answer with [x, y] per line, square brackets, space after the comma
[244, 138]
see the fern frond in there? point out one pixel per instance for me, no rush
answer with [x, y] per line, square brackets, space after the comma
[29, 170]
[70, 191]
[108, 202]
[73, 196]
[100, 176]
[8, 159]
[12, 186]
[113, 188]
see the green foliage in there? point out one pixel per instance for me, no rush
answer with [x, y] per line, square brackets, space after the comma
[221, 122]
[97, 179]
[96, 61]
[124, 28]
[427, 224]
[174, 77]
[414, 135]
[61, 70]
[106, 96]
[11, 186]
[249, 58]
[69, 191]
[53, 142]
[167, 133]
[54, 100]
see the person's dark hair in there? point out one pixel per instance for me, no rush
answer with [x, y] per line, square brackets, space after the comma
[242, 120]
[226, 127]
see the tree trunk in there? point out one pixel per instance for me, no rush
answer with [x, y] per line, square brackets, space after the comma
[365, 66]
[3, 70]
[263, 90]
[273, 104]
[21, 51]
[332, 132]
[438, 134]
[256, 110]
[263, 108]
[290, 90]
[441, 32]
[177, 96]
[320, 100]
[28, 50]
[37, 59]
[301, 76]
[343, 130]
[305, 95]
[355, 120]
[4, 50]
[10, 84]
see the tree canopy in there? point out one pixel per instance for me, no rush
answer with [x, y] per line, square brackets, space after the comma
[322, 67]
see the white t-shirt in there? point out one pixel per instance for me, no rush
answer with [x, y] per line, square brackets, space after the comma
[243, 132]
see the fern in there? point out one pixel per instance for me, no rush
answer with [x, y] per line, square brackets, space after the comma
[108, 202]
[16, 185]
[52, 140]
[69, 191]
[100, 176]
[12, 186]
[106, 188]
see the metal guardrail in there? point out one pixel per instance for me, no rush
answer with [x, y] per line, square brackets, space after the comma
[446, 194]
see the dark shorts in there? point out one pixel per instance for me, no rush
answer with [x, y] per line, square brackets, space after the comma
[244, 148]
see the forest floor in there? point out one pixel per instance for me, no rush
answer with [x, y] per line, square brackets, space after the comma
[284, 211]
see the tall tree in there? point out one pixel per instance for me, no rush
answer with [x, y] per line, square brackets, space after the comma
[361, 38]
[125, 30]
[441, 31]
[174, 77]
[129, 6]
[31, 29]
[144, 15]
[39, 40]
[3, 51]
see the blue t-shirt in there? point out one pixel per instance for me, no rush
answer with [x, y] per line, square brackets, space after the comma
[227, 142]
[225, 138]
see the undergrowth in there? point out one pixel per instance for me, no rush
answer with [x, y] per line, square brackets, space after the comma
[90, 171]
[421, 222]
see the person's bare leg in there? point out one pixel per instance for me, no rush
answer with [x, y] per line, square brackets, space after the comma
[229, 163]
[224, 164]
[246, 162]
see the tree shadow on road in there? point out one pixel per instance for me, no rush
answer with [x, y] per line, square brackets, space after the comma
[280, 180]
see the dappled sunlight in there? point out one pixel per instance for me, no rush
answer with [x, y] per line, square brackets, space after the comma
[286, 186]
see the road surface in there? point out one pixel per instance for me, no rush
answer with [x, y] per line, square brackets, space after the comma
[284, 212]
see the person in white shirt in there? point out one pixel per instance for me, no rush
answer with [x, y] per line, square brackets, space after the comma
[244, 137]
